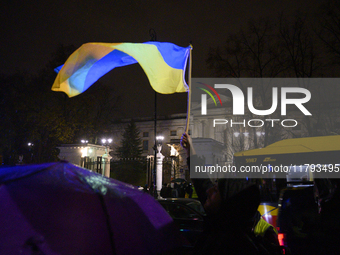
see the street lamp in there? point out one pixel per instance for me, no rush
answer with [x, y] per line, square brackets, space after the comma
[105, 158]
[158, 166]
[157, 148]
[106, 141]
[173, 155]
[159, 139]
[241, 137]
[159, 142]
[236, 134]
[30, 145]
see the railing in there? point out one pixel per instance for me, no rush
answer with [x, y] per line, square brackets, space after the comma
[97, 166]
[137, 171]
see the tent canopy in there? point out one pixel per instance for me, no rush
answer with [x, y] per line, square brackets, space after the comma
[309, 150]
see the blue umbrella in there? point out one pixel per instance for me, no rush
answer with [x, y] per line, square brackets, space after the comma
[59, 208]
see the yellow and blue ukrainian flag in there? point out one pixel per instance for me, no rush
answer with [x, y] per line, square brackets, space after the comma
[164, 64]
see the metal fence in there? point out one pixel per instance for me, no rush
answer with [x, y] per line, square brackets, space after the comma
[97, 166]
[171, 168]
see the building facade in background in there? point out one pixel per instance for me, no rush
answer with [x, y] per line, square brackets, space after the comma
[93, 157]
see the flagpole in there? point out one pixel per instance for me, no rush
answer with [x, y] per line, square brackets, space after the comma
[189, 91]
[153, 35]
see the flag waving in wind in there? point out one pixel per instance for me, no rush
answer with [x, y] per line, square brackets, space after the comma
[164, 64]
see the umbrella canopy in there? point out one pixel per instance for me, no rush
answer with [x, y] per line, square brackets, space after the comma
[58, 208]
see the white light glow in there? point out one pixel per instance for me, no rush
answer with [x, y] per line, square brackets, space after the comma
[236, 134]
[83, 152]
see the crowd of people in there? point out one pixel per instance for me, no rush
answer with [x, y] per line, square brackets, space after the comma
[231, 206]
[232, 224]
[182, 189]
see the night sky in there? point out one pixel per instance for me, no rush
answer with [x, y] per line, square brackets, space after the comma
[32, 30]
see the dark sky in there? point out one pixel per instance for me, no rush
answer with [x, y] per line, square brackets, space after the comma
[31, 31]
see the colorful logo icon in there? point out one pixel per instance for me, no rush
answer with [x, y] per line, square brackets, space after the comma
[204, 97]
[209, 93]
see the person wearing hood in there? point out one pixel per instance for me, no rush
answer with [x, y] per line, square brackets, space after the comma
[230, 205]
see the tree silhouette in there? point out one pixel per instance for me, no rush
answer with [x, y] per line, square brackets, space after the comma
[131, 168]
[131, 143]
[277, 48]
[31, 112]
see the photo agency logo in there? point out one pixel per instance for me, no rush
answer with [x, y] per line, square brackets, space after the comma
[236, 123]
[204, 97]
[287, 96]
